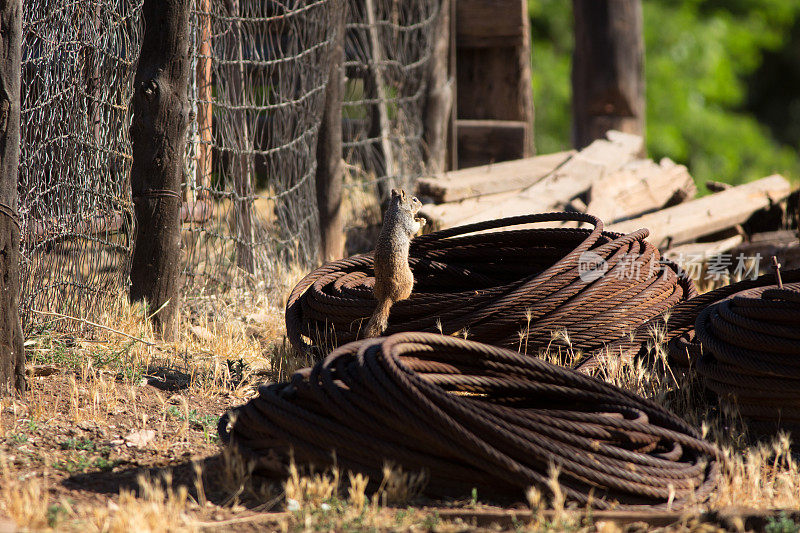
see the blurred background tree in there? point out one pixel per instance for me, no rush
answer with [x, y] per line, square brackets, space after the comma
[722, 84]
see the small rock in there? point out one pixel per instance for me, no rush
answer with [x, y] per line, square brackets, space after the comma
[139, 438]
[292, 505]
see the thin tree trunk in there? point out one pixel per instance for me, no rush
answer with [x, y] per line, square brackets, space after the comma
[242, 219]
[158, 135]
[330, 174]
[380, 123]
[204, 95]
[12, 355]
[607, 69]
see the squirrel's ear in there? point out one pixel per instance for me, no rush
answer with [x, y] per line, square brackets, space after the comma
[395, 192]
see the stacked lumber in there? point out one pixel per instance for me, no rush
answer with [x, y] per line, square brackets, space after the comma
[610, 179]
[607, 178]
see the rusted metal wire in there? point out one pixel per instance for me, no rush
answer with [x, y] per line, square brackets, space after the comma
[684, 350]
[473, 415]
[514, 288]
[75, 209]
[745, 346]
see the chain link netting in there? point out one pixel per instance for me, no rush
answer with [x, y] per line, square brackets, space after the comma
[388, 47]
[78, 62]
[257, 90]
[259, 71]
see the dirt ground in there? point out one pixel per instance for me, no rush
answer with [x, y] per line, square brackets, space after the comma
[117, 432]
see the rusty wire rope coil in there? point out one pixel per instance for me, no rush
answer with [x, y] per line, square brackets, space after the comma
[684, 350]
[749, 356]
[474, 415]
[511, 288]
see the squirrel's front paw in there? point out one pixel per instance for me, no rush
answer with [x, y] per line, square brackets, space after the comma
[421, 221]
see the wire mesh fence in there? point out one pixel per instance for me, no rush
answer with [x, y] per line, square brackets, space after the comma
[388, 46]
[257, 91]
[78, 62]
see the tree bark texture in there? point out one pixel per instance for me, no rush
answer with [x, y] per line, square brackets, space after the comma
[607, 69]
[158, 135]
[330, 174]
[12, 355]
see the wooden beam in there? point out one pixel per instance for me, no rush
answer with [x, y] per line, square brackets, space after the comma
[690, 220]
[12, 354]
[493, 66]
[607, 69]
[489, 179]
[494, 141]
[488, 23]
[638, 188]
[158, 135]
[439, 101]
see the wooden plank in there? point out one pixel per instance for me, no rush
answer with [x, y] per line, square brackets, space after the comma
[638, 188]
[729, 519]
[570, 180]
[480, 141]
[490, 179]
[488, 23]
[695, 251]
[442, 216]
[690, 220]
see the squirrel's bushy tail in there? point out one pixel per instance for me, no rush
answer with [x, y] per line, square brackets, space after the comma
[379, 320]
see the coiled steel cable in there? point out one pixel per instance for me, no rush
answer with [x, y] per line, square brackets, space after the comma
[511, 288]
[474, 415]
[750, 346]
[684, 349]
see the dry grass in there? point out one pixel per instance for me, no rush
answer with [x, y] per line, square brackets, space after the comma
[62, 445]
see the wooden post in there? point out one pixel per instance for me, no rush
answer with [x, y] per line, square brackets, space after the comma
[607, 69]
[12, 355]
[452, 133]
[380, 122]
[495, 111]
[330, 173]
[439, 102]
[158, 134]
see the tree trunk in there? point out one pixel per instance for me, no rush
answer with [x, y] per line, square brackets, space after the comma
[158, 135]
[329, 155]
[607, 69]
[375, 88]
[12, 355]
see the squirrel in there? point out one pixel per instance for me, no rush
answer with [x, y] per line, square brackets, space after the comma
[393, 277]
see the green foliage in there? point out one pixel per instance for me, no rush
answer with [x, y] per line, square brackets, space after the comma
[698, 55]
[781, 524]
